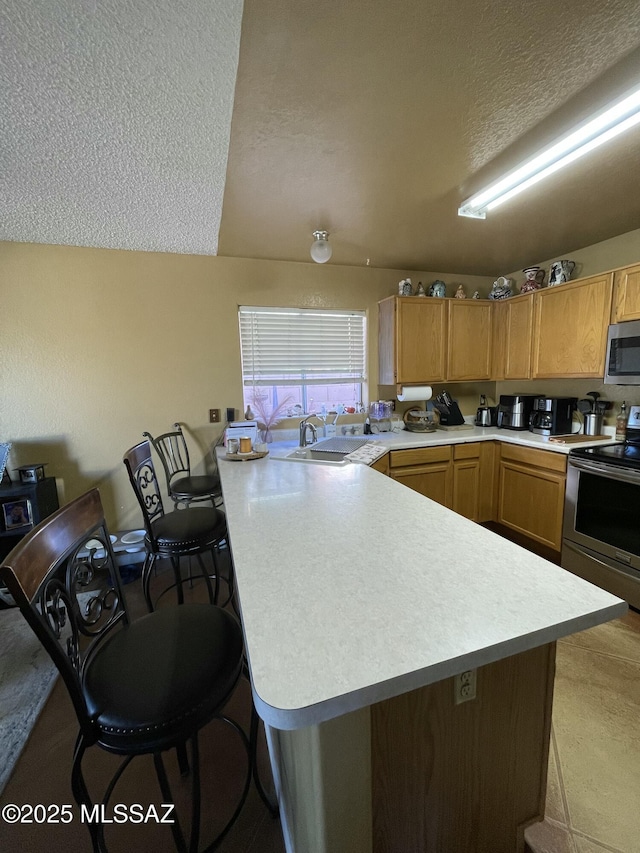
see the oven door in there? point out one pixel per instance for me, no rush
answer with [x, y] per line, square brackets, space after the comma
[601, 534]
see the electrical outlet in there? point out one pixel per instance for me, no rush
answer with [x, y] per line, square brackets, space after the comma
[465, 686]
[214, 416]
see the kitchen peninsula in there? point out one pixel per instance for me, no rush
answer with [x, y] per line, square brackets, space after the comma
[361, 602]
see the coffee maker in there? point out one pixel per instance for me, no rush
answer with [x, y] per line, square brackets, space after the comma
[514, 411]
[552, 415]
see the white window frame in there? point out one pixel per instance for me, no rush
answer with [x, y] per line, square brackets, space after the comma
[302, 346]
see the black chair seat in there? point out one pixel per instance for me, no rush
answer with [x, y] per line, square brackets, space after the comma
[189, 529]
[194, 487]
[163, 676]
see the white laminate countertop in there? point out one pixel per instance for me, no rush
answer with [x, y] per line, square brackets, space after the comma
[354, 588]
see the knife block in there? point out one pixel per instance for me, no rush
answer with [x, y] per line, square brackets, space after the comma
[449, 415]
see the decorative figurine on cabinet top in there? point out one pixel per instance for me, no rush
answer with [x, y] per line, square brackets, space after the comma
[560, 272]
[460, 294]
[421, 291]
[534, 276]
[438, 288]
[501, 288]
[405, 288]
[476, 294]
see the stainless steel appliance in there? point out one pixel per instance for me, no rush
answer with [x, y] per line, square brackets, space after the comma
[601, 534]
[623, 354]
[486, 416]
[514, 411]
[552, 415]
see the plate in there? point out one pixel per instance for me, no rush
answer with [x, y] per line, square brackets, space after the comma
[113, 538]
[94, 543]
[133, 536]
[132, 550]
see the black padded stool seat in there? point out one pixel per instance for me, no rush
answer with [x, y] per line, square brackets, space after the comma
[196, 528]
[190, 488]
[138, 690]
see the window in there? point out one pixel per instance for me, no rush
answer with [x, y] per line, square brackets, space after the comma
[298, 360]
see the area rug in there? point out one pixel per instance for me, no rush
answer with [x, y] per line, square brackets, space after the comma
[27, 676]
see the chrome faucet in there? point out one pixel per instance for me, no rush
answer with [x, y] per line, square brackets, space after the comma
[304, 425]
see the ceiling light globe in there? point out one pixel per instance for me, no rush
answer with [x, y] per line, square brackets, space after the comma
[320, 249]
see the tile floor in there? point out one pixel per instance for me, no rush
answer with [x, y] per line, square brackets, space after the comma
[593, 793]
[594, 773]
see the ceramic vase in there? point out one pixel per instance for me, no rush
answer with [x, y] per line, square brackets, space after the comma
[501, 288]
[534, 276]
[560, 272]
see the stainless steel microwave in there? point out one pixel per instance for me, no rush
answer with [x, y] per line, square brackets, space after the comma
[623, 354]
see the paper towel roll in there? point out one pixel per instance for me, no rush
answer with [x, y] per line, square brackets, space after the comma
[408, 393]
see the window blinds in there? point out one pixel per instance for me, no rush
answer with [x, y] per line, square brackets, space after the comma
[290, 346]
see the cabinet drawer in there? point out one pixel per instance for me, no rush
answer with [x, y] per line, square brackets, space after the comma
[466, 451]
[530, 456]
[419, 456]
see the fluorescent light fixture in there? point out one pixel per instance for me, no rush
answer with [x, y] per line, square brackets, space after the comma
[598, 130]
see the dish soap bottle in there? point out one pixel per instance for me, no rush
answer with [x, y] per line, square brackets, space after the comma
[621, 423]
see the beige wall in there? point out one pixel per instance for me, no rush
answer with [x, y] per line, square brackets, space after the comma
[100, 345]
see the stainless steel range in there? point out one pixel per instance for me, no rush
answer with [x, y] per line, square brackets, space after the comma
[601, 535]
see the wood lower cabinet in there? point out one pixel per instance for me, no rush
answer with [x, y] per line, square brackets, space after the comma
[570, 328]
[458, 476]
[626, 294]
[521, 488]
[426, 470]
[474, 480]
[531, 487]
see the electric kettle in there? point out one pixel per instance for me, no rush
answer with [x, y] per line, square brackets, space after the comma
[483, 414]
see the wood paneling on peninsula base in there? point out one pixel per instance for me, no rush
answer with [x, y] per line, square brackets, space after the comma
[467, 778]
[420, 774]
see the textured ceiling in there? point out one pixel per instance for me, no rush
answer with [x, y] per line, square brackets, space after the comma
[114, 120]
[370, 119]
[374, 120]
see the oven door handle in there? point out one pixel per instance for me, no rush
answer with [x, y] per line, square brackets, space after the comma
[613, 472]
[618, 568]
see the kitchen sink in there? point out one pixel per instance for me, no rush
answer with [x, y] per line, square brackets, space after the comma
[331, 451]
[303, 454]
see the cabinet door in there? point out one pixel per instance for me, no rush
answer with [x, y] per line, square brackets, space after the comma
[469, 343]
[466, 488]
[474, 480]
[626, 295]
[517, 331]
[433, 481]
[421, 326]
[531, 499]
[570, 328]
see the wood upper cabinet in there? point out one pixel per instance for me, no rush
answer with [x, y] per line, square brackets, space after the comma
[626, 294]
[512, 337]
[469, 340]
[531, 493]
[570, 328]
[411, 341]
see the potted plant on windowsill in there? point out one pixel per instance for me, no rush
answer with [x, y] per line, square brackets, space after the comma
[267, 418]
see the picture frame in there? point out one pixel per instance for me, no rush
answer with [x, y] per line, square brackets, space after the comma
[4, 455]
[17, 513]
